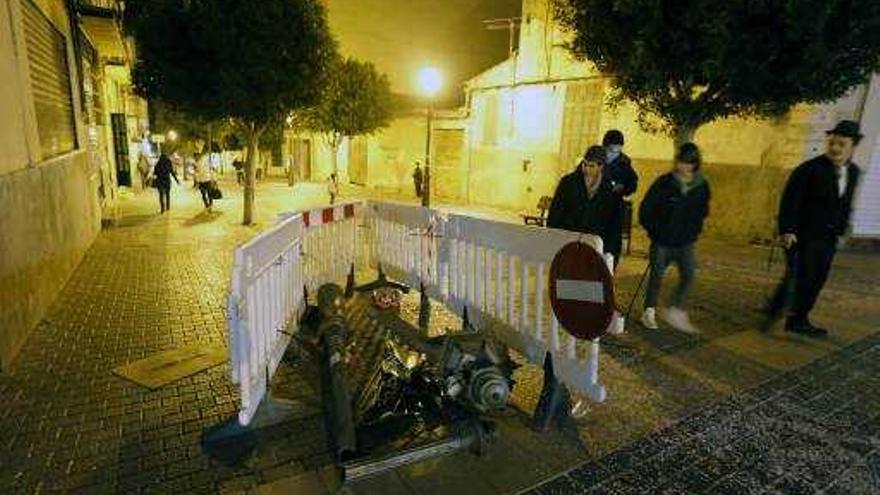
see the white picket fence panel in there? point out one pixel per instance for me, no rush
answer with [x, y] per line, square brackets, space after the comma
[497, 270]
[267, 295]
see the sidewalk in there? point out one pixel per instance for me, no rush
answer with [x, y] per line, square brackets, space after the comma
[152, 282]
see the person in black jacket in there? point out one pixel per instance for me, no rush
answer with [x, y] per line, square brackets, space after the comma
[584, 201]
[673, 212]
[624, 181]
[814, 212]
[163, 171]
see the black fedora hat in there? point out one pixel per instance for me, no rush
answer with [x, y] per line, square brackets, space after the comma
[847, 128]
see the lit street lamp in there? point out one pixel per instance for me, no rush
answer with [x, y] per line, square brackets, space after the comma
[430, 82]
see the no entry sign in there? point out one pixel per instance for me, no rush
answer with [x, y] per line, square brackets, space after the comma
[581, 291]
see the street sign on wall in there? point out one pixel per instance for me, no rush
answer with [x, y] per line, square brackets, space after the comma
[581, 291]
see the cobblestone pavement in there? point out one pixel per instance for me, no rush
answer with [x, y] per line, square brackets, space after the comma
[67, 425]
[813, 430]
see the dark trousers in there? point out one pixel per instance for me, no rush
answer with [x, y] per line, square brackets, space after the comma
[164, 197]
[807, 267]
[660, 258]
[205, 189]
[619, 226]
[613, 246]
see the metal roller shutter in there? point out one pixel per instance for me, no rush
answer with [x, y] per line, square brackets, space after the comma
[50, 82]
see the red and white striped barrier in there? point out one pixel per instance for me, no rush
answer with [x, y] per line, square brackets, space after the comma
[324, 216]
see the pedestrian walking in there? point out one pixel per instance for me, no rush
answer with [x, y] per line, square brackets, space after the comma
[673, 212]
[204, 177]
[332, 188]
[584, 200]
[418, 178]
[162, 173]
[238, 165]
[814, 213]
[143, 168]
[624, 181]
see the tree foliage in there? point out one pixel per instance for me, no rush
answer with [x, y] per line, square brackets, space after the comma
[690, 62]
[249, 61]
[356, 101]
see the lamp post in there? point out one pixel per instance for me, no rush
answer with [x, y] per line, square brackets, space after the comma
[430, 82]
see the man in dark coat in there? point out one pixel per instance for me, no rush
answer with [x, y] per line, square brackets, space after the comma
[624, 181]
[673, 212]
[813, 214]
[418, 177]
[163, 172]
[584, 201]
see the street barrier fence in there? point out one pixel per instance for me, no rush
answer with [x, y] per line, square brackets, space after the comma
[498, 271]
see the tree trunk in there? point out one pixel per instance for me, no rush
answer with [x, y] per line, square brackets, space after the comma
[250, 175]
[683, 134]
[334, 145]
[291, 169]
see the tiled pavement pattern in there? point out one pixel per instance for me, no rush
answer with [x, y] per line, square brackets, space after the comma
[149, 284]
[813, 430]
[152, 283]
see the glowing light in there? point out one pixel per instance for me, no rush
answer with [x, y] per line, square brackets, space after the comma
[430, 81]
[172, 135]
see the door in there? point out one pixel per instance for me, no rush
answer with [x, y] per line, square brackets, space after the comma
[302, 158]
[357, 161]
[120, 147]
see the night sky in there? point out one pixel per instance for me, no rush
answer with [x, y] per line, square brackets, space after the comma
[399, 36]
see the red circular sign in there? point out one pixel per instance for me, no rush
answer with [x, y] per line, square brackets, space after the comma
[581, 291]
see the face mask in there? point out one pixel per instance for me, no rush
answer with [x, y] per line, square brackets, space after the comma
[613, 151]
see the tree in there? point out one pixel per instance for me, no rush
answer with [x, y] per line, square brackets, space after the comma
[193, 131]
[356, 101]
[249, 61]
[686, 63]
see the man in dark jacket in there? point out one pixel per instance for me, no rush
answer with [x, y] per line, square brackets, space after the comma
[163, 172]
[624, 181]
[584, 201]
[673, 212]
[418, 177]
[814, 212]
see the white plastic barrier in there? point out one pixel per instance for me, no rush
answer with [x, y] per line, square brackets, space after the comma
[267, 298]
[497, 270]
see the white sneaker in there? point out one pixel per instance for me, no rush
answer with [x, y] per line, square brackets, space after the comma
[580, 409]
[649, 320]
[618, 324]
[678, 319]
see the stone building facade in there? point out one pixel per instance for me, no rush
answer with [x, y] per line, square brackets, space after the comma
[527, 120]
[64, 76]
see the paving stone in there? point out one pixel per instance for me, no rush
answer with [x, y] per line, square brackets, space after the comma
[158, 282]
[778, 437]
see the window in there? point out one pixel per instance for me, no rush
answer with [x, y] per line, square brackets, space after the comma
[50, 82]
[490, 119]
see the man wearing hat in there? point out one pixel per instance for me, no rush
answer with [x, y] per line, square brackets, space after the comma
[814, 212]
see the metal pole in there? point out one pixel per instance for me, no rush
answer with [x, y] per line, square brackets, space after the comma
[426, 192]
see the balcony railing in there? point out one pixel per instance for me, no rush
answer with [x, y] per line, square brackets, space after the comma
[99, 8]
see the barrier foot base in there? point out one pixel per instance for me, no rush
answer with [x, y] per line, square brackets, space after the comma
[554, 404]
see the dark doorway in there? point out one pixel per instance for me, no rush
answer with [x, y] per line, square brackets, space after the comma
[120, 147]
